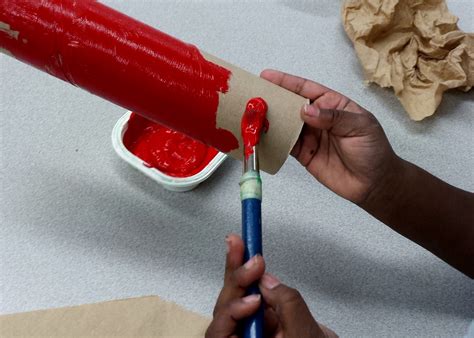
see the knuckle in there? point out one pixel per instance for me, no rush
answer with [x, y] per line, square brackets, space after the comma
[333, 97]
[371, 118]
[224, 310]
[213, 329]
[335, 116]
[292, 296]
[291, 304]
[216, 311]
[209, 332]
[371, 124]
[300, 85]
[222, 306]
[242, 277]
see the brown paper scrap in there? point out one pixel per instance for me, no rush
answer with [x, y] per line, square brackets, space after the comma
[135, 317]
[414, 46]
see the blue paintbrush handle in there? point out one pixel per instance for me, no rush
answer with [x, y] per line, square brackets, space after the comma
[251, 196]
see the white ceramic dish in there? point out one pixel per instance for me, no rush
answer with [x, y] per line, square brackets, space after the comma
[168, 182]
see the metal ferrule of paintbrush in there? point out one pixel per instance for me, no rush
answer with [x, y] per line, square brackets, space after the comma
[251, 183]
[251, 161]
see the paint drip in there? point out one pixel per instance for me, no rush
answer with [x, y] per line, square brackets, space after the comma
[254, 123]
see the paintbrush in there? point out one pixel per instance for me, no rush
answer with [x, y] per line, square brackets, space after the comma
[254, 123]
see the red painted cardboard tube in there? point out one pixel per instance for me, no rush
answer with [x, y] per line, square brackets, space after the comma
[120, 59]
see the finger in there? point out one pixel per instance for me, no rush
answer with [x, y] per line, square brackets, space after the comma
[328, 333]
[248, 273]
[239, 280]
[295, 318]
[270, 322]
[325, 97]
[297, 147]
[338, 122]
[296, 84]
[335, 100]
[234, 260]
[235, 254]
[307, 146]
[286, 302]
[225, 320]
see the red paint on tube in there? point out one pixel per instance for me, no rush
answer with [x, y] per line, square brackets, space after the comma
[254, 122]
[169, 151]
[122, 60]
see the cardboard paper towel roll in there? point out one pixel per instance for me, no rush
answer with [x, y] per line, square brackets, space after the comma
[142, 69]
[283, 115]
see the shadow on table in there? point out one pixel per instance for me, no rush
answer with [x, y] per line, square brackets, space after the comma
[184, 202]
[340, 272]
[449, 106]
[343, 273]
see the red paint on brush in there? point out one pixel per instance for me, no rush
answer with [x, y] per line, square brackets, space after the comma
[169, 151]
[254, 122]
[122, 60]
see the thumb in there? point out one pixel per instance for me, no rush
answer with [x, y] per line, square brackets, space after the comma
[338, 122]
[295, 318]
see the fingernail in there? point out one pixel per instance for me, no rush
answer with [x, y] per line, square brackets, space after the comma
[269, 281]
[251, 262]
[228, 243]
[310, 110]
[251, 299]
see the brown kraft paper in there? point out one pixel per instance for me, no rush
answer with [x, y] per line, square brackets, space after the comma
[135, 317]
[414, 46]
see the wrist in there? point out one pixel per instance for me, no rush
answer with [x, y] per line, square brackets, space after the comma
[390, 190]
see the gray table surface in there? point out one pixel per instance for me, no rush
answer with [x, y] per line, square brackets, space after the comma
[78, 225]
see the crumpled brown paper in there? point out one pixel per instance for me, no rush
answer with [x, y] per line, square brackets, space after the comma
[413, 46]
[135, 317]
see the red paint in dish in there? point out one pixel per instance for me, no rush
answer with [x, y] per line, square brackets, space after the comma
[254, 122]
[122, 60]
[169, 151]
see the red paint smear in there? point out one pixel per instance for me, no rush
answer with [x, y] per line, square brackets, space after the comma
[122, 60]
[254, 122]
[169, 151]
